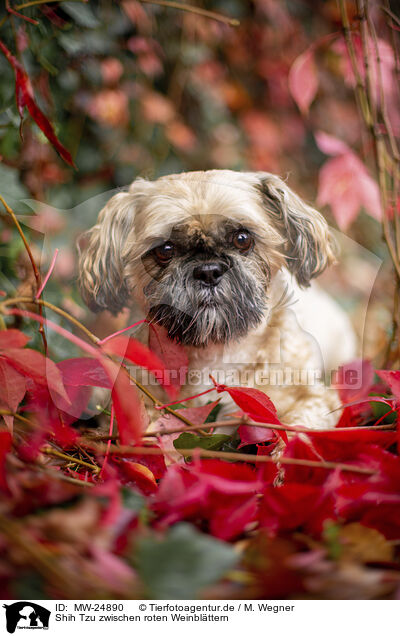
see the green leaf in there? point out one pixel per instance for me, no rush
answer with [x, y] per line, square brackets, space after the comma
[31, 585]
[213, 416]
[379, 409]
[190, 440]
[181, 563]
[82, 14]
[11, 188]
[132, 500]
[331, 536]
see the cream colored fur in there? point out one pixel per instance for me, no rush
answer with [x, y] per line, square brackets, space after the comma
[302, 329]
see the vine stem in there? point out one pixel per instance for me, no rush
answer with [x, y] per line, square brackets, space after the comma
[242, 457]
[34, 3]
[35, 269]
[27, 300]
[273, 427]
[16, 415]
[196, 10]
[109, 441]
[19, 15]
[75, 460]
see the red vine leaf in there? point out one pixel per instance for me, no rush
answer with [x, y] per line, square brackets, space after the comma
[24, 97]
[303, 80]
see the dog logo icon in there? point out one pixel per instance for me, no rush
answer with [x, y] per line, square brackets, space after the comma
[26, 615]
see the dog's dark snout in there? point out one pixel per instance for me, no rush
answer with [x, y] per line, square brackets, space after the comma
[210, 273]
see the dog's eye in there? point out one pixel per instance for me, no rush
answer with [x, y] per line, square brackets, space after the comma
[164, 252]
[243, 240]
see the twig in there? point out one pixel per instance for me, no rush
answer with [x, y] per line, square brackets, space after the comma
[27, 300]
[33, 3]
[243, 457]
[49, 273]
[20, 15]
[385, 116]
[57, 474]
[35, 269]
[118, 333]
[192, 9]
[16, 415]
[273, 427]
[109, 441]
[74, 460]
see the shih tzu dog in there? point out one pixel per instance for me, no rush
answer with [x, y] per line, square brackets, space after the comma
[223, 260]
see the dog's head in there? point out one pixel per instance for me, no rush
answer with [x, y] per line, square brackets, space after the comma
[199, 250]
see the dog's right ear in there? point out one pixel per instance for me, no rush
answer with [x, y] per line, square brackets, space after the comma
[104, 256]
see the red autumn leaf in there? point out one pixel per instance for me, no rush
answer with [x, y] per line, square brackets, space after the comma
[24, 97]
[155, 463]
[373, 501]
[12, 338]
[172, 354]
[254, 403]
[354, 438]
[221, 493]
[229, 479]
[12, 390]
[79, 397]
[295, 505]
[84, 372]
[40, 369]
[129, 410]
[142, 356]
[230, 520]
[330, 145]
[63, 434]
[346, 186]
[5, 446]
[303, 80]
[254, 435]
[137, 474]
[392, 379]
[354, 380]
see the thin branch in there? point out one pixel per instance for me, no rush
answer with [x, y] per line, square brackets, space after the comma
[16, 415]
[57, 474]
[34, 3]
[385, 116]
[109, 441]
[35, 269]
[49, 273]
[391, 14]
[19, 15]
[27, 300]
[273, 427]
[242, 457]
[73, 460]
[196, 10]
[360, 92]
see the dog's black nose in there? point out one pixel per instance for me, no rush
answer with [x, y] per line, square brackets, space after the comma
[209, 273]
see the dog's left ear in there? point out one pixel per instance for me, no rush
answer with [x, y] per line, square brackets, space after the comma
[309, 246]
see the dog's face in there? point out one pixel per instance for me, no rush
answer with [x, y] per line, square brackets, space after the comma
[199, 250]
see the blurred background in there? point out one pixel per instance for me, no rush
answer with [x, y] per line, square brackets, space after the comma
[137, 89]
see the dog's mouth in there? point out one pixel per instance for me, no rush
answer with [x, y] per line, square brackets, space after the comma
[199, 313]
[210, 323]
